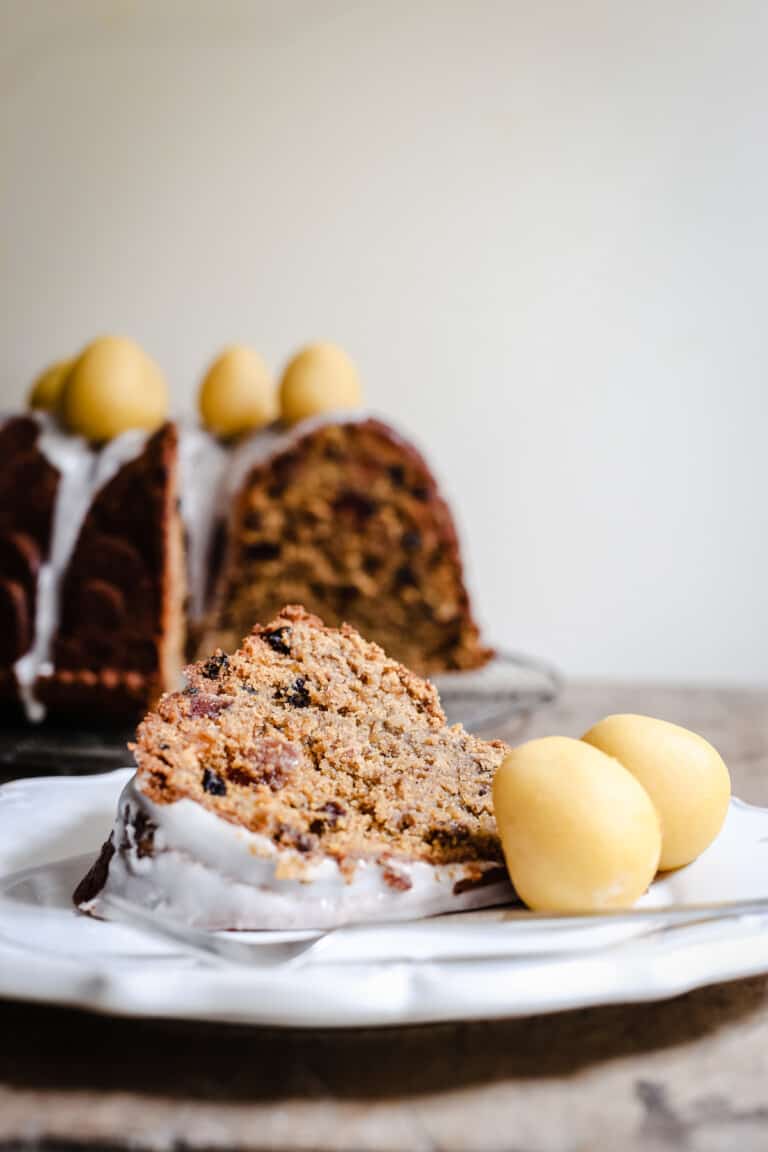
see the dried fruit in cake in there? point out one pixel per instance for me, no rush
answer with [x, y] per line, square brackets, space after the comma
[319, 378]
[346, 518]
[238, 393]
[306, 779]
[113, 386]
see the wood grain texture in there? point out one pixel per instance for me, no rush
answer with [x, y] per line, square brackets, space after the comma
[686, 1073]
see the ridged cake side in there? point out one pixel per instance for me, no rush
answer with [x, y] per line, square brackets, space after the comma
[92, 580]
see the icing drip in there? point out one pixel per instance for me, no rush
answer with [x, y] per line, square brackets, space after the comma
[83, 471]
[202, 461]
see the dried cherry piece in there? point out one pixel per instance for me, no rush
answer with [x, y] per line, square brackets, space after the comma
[209, 705]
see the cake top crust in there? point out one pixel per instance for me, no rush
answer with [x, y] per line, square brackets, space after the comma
[316, 739]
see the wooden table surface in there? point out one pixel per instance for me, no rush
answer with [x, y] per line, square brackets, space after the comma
[688, 1073]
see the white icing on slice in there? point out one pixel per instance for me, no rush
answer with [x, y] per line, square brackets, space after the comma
[207, 872]
[82, 473]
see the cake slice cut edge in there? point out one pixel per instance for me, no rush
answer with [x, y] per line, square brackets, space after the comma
[304, 781]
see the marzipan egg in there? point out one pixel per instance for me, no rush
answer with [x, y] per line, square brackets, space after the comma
[320, 378]
[683, 774]
[578, 832]
[238, 393]
[113, 386]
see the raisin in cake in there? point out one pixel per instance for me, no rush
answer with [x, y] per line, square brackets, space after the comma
[307, 780]
[92, 578]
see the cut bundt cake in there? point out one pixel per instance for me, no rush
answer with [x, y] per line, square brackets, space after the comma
[344, 516]
[306, 780]
[339, 513]
[92, 581]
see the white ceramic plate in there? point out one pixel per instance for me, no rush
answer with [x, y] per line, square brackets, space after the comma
[467, 966]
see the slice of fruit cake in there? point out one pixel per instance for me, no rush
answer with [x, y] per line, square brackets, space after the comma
[307, 780]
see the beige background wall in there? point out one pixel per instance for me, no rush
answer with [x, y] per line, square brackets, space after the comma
[540, 227]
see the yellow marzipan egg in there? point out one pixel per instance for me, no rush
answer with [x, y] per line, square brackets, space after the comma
[682, 773]
[45, 392]
[579, 833]
[238, 393]
[113, 386]
[319, 378]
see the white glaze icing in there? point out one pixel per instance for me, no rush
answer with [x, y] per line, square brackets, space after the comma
[83, 472]
[202, 463]
[209, 873]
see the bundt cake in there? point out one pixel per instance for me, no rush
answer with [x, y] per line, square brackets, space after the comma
[307, 780]
[99, 544]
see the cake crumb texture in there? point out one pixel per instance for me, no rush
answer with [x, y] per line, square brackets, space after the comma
[315, 738]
